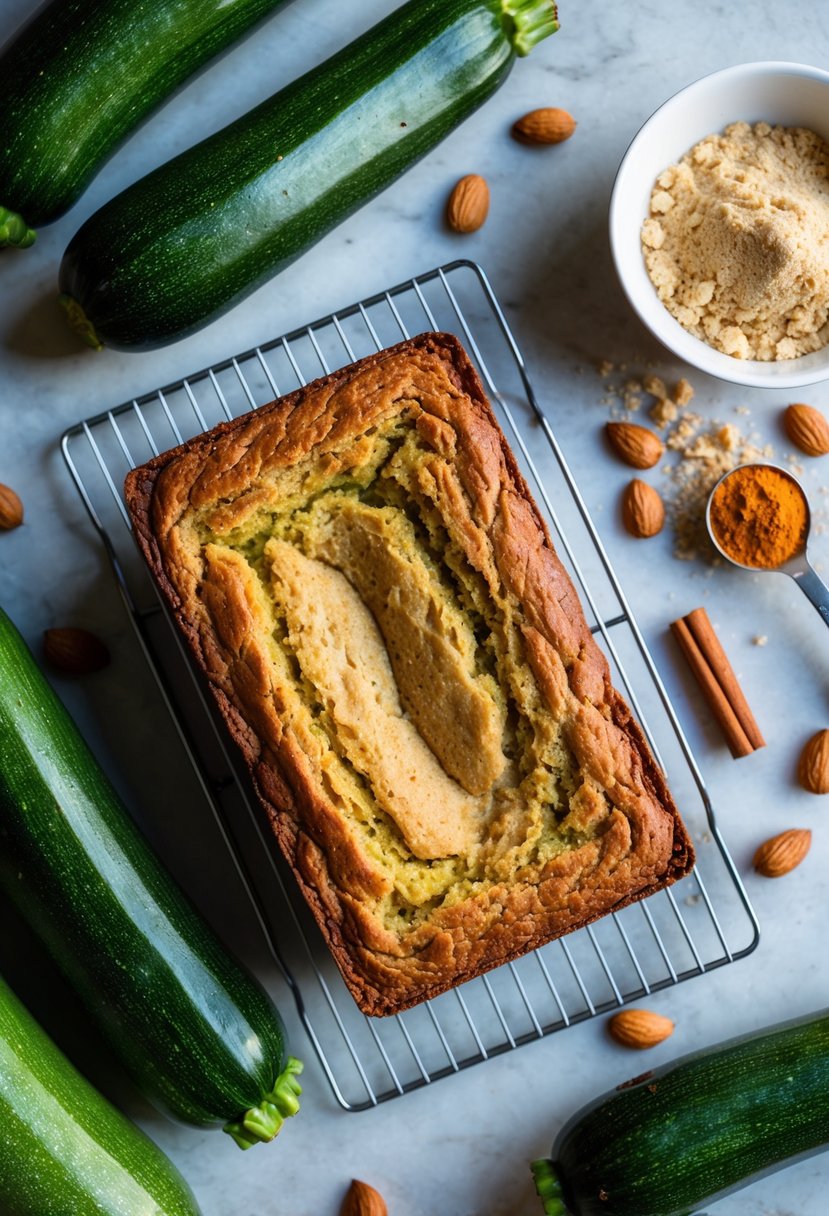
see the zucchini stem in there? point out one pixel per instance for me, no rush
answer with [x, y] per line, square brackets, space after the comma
[79, 321]
[548, 1186]
[530, 21]
[261, 1123]
[14, 230]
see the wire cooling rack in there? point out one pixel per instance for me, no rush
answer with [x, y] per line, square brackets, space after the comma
[702, 923]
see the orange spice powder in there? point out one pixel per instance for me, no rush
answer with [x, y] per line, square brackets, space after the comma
[759, 516]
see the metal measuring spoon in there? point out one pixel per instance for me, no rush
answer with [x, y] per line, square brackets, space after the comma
[797, 567]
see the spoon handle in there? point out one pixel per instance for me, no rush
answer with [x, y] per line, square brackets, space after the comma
[813, 586]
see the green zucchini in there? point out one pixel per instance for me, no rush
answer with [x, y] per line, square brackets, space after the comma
[200, 233]
[695, 1130]
[80, 76]
[63, 1148]
[198, 1034]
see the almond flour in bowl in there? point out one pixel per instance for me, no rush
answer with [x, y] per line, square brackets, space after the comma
[737, 241]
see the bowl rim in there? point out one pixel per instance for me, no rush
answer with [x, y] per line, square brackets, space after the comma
[662, 324]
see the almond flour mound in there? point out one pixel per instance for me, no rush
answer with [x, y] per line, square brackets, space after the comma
[737, 241]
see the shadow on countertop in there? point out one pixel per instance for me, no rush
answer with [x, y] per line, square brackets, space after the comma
[40, 329]
[573, 302]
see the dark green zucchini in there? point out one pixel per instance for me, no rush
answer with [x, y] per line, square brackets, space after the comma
[196, 1031]
[80, 76]
[693, 1131]
[63, 1148]
[200, 233]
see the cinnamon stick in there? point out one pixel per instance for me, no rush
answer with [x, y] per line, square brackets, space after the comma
[715, 676]
[705, 637]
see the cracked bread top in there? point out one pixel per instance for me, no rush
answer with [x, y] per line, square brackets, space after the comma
[372, 595]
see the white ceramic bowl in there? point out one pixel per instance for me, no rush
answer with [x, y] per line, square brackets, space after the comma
[789, 94]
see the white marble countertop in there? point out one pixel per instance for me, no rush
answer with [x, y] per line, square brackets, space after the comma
[460, 1147]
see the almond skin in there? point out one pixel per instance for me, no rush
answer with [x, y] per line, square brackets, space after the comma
[807, 428]
[362, 1200]
[11, 509]
[468, 204]
[548, 125]
[643, 511]
[780, 854]
[639, 1028]
[75, 652]
[636, 445]
[813, 766]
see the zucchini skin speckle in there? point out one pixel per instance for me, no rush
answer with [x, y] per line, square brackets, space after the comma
[63, 1148]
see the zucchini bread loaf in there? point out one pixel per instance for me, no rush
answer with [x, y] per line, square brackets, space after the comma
[372, 595]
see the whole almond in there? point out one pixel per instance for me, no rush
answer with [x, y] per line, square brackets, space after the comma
[549, 125]
[75, 652]
[780, 854]
[813, 766]
[362, 1200]
[11, 509]
[636, 445]
[468, 204]
[639, 1028]
[643, 511]
[807, 428]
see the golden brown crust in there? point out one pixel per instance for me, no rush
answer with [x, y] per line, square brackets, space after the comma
[488, 510]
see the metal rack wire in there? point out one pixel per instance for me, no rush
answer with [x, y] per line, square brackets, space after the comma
[702, 923]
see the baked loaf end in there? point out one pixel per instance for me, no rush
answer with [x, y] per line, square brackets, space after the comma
[366, 583]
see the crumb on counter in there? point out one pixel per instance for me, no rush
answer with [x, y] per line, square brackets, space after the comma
[664, 412]
[683, 392]
[655, 385]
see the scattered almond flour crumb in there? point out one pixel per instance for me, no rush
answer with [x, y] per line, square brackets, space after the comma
[655, 385]
[624, 396]
[759, 639]
[729, 436]
[742, 409]
[684, 431]
[737, 242]
[683, 392]
[664, 411]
